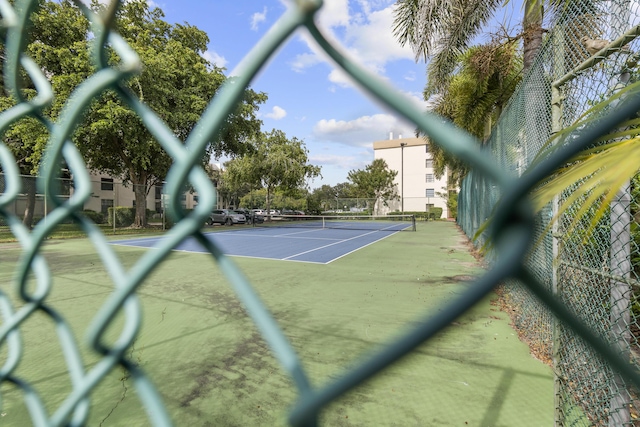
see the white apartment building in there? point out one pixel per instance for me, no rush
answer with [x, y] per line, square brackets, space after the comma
[417, 185]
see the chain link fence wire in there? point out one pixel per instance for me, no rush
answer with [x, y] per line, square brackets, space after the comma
[348, 204]
[583, 338]
[592, 271]
[111, 203]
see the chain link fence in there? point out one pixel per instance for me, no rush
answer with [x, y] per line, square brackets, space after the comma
[593, 270]
[349, 204]
[106, 194]
[591, 283]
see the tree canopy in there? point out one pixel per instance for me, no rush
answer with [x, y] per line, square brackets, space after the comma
[176, 82]
[275, 162]
[375, 181]
[442, 33]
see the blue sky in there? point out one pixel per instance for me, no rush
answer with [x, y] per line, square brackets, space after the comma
[308, 97]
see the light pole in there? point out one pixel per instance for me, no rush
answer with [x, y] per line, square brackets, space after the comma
[402, 144]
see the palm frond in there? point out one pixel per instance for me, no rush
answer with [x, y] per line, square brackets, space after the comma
[594, 176]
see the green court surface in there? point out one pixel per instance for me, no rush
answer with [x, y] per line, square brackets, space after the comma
[212, 368]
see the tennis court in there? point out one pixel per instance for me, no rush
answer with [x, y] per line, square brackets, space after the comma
[314, 239]
[211, 366]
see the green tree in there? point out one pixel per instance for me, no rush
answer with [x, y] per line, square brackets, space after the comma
[441, 31]
[231, 188]
[58, 43]
[177, 83]
[324, 197]
[275, 162]
[375, 182]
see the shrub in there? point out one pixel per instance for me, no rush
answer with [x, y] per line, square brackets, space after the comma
[434, 213]
[96, 217]
[124, 216]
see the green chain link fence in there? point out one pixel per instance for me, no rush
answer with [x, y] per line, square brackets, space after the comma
[594, 274]
[583, 341]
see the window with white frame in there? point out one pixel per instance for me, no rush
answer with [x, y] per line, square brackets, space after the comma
[430, 192]
[429, 163]
[430, 177]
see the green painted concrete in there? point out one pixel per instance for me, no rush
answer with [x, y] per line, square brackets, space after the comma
[213, 369]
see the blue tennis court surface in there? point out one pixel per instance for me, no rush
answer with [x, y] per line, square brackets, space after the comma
[320, 246]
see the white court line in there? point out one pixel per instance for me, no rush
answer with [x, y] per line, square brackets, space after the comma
[357, 249]
[281, 236]
[337, 243]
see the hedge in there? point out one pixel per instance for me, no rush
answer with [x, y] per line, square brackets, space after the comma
[96, 217]
[124, 216]
[434, 213]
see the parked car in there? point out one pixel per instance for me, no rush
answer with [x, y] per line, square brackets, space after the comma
[259, 212]
[251, 216]
[226, 216]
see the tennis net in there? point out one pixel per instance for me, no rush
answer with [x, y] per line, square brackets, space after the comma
[348, 222]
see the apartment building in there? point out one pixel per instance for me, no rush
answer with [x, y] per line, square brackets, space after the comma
[417, 185]
[108, 192]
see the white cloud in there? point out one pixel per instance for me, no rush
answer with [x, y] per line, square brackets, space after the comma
[214, 58]
[363, 131]
[410, 76]
[334, 13]
[305, 60]
[257, 18]
[276, 113]
[365, 36]
[344, 162]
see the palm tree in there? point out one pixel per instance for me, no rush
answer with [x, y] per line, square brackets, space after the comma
[442, 30]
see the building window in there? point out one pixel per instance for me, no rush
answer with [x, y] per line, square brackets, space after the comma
[427, 148]
[429, 206]
[430, 177]
[158, 207]
[430, 192]
[429, 163]
[158, 192]
[106, 184]
[105, 204]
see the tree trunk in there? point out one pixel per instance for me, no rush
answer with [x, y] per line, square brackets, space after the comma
[30, 192]
[532, 25]
[140, 191]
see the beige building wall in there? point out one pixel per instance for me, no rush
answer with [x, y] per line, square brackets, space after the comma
[416, 182]
[107, 192]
